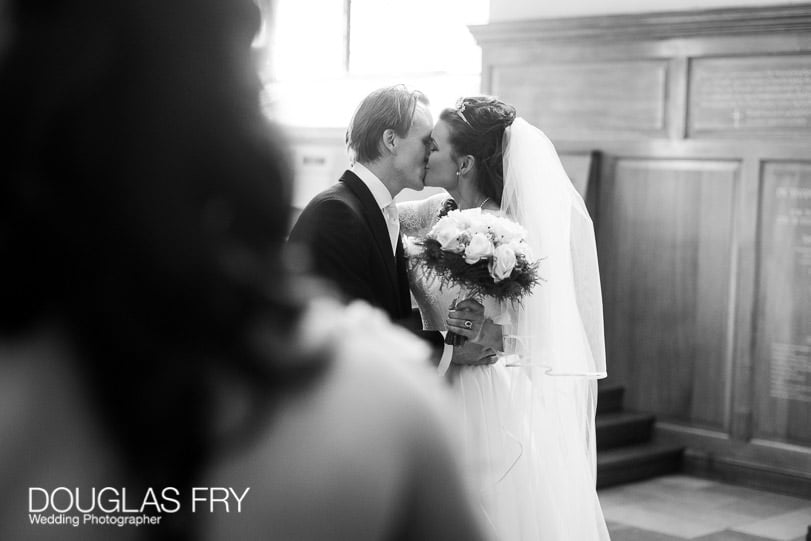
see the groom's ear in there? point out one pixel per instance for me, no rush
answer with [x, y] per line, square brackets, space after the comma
[389, 140]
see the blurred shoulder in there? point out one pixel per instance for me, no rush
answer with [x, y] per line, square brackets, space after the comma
[362, 341]
[345, 449]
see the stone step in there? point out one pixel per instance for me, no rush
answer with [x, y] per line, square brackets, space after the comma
[637, 462]
[619, 428]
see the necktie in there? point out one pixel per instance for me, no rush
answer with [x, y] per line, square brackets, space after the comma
[393, 223]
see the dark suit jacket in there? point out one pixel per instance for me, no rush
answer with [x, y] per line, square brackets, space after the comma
[348, 241]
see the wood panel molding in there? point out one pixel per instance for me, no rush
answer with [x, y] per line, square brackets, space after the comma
[758, 464]
[665, 25]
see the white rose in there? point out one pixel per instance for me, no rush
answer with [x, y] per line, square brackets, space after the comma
[479, 227]
[466, 218]
[503, 262]
[509, 231]
[521, 248]
[478, 248]
[452, 216]
[446, 233]
[482, 223]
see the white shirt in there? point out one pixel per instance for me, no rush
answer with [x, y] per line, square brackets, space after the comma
[383, 199]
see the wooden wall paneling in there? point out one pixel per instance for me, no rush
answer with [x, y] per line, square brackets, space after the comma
[644, 302]
[714, 316]
[511, 53]
[665, 234]
[583, 169]
[577, 166]
[699, 149]
[637, 27]
[615, 291]
[676, 98]
[743, 278]
[592, 197]
[756, 463]
[729, 32]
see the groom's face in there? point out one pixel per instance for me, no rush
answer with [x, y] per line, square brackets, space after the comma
[412, 150]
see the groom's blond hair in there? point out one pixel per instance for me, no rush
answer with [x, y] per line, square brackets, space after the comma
[391, 107]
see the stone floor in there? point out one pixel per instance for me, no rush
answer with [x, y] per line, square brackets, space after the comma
[678, 507]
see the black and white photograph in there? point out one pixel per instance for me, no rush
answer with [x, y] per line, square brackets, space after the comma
[438, 270]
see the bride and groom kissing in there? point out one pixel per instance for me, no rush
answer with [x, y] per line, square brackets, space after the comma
[524, 382]
[352, 230]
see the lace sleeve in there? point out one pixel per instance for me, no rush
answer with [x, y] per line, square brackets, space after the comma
[417, 217]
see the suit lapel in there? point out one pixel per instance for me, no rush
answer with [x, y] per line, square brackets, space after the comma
[377, 224]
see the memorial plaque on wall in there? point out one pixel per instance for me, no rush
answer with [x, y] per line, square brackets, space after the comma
[783, 351]
[575, 101]
[753, 95]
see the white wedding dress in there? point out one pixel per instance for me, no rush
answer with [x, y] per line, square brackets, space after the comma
[527, 420]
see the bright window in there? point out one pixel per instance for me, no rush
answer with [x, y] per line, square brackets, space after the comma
[326, 55]
[308, 40]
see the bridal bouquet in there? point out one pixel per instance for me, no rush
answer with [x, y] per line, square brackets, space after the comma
[484, 254]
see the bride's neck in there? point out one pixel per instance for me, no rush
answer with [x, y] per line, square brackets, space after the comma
[468, 199]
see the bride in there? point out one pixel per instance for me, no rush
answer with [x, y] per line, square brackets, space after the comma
[528, 415]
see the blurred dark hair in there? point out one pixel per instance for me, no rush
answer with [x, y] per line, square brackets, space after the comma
[144, 205]
[386, 108]
[477, 127]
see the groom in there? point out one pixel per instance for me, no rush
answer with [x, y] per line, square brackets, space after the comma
[352, 228]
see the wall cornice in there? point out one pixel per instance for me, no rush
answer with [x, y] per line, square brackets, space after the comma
[654, 26]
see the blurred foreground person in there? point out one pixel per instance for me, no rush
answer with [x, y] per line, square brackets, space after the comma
[162, 376]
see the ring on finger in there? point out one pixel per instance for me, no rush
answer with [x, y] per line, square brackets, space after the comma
[468, 324]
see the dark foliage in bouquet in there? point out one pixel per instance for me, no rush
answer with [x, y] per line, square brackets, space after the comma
[484, 254]
[452, 269]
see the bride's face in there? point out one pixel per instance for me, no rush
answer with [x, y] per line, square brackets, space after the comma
[441, 169]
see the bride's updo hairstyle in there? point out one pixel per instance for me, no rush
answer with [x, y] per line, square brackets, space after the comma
[477, 129]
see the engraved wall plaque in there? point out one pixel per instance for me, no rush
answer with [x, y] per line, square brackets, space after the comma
[579, 100]
[765, 95]
[783, 352]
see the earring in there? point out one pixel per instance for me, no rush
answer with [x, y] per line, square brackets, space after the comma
[457, 173]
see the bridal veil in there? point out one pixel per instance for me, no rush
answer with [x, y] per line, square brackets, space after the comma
[556, 335]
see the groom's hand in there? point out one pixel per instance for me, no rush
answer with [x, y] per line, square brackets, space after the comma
[472, 354]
